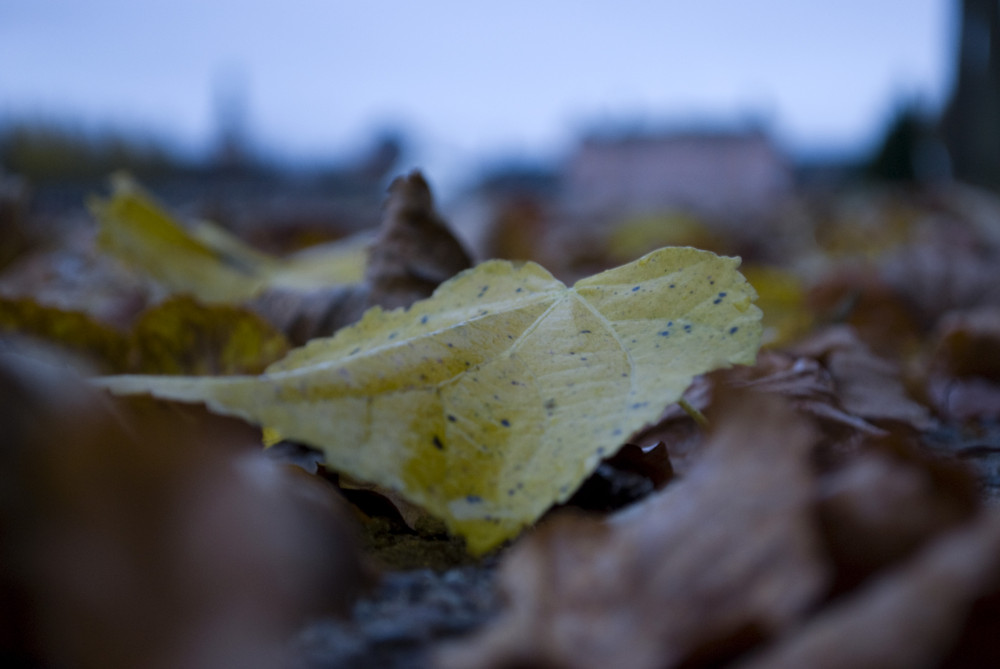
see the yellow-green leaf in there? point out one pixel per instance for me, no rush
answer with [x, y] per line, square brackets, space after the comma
[206, 261]
[498, 395]
[73, 330]
[182, 336]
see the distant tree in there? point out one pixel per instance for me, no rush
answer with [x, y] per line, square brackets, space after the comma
[971, 123]
[911, 150]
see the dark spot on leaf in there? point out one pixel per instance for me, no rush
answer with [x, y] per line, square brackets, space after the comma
[519, 290]
[600, 450]
[664, 333]
[733, 330]
[437, 443]
[616, 432]
[473, 499]
[687, 328]
[450, 345]
[510, 493]
[639, 405]
[355, 351]
[423, 320]
[392, 335]
[505, 422]
[451, 418]
[482, 291]
[584, 331]
[550, 403]
[635, 289]
[673, 285]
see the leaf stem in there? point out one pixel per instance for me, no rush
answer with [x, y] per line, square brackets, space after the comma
[698, 416]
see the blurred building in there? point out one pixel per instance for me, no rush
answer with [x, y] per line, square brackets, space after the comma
[711, 174]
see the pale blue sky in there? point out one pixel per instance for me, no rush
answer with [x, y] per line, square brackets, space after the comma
[473, 78]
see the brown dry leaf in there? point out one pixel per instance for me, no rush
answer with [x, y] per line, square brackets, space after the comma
[803, 380]
[964, 377]
[867, 386]
[723, 558]
[860, 298]
[912, 618]
[944, 273]
[413, 253]
[154, 536]
[885, 501]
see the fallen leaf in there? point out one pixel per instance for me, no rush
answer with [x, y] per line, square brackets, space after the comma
[964, 373]
[413, 253]
[496, 397]
[885, 501]
[75, 331]
[182, 336]
[179, 336]
[720, 560]
[942, 274]
[913, 617]
[143, 534]
[782, 299]
[208, 263]
[867, 385]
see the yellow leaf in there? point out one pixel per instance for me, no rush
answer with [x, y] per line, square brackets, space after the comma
[208, 262]
[74, 331]
[179, 336]
[641, 234]
[782, 299]
[339, 262]
[137, 230]
[494, 398]
[182, 336]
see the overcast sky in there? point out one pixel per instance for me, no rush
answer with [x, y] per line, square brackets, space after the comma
[475, 78]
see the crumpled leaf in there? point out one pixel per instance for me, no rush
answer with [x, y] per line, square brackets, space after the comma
[718, 560]
[867, 385]
[497, 396]
[210, 263]
[912, 618]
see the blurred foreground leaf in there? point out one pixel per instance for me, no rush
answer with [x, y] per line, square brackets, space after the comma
[497, 396]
